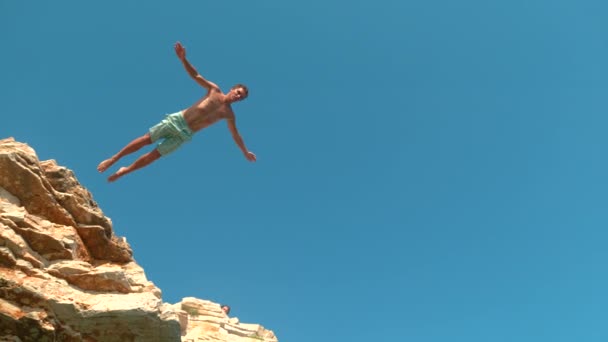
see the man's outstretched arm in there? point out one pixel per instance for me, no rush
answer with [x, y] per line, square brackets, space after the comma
[239, 141]
[181, 54]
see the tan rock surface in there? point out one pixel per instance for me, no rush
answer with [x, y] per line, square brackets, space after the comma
[65, 276]
[207, 322]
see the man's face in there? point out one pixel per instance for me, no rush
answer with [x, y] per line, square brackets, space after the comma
[226, 309]
[238, 94]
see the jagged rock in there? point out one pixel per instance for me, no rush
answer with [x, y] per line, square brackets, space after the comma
[77, 200]
[99, 316]
[103, 247]
[7, 258]
[51, 241]
[126, 278]
[206, 318]
[17, 245]
[21, 175]
[65, 275]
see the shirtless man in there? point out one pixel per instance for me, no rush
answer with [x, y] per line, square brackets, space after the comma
[179, 127]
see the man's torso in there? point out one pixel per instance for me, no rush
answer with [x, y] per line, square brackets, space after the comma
[207, 111]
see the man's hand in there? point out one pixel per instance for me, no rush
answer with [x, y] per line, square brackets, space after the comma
[250, 156]
[180, 50]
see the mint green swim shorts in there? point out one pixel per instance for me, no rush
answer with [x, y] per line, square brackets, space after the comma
[173, 130]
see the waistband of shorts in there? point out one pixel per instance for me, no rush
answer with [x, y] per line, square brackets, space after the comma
[179, 122]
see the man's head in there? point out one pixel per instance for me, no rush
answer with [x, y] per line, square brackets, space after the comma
[225, 308]
[238, 93]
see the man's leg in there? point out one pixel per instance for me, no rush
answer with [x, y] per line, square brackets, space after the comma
[144, 160]
[130, 148]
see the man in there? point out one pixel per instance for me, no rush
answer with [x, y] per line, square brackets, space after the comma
[179, 127]
[225, 308]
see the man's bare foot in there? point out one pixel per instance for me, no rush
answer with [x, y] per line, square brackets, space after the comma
[121, 172]
[104, 165]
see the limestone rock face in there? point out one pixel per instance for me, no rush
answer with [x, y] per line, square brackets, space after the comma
[65, 276]
[206, 319]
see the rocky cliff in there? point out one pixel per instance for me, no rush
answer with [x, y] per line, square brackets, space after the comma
[65, 275]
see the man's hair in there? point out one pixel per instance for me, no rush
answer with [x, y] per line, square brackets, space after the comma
[244, 88]
[228, 306]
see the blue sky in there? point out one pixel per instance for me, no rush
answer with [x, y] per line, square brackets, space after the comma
[427, 170]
